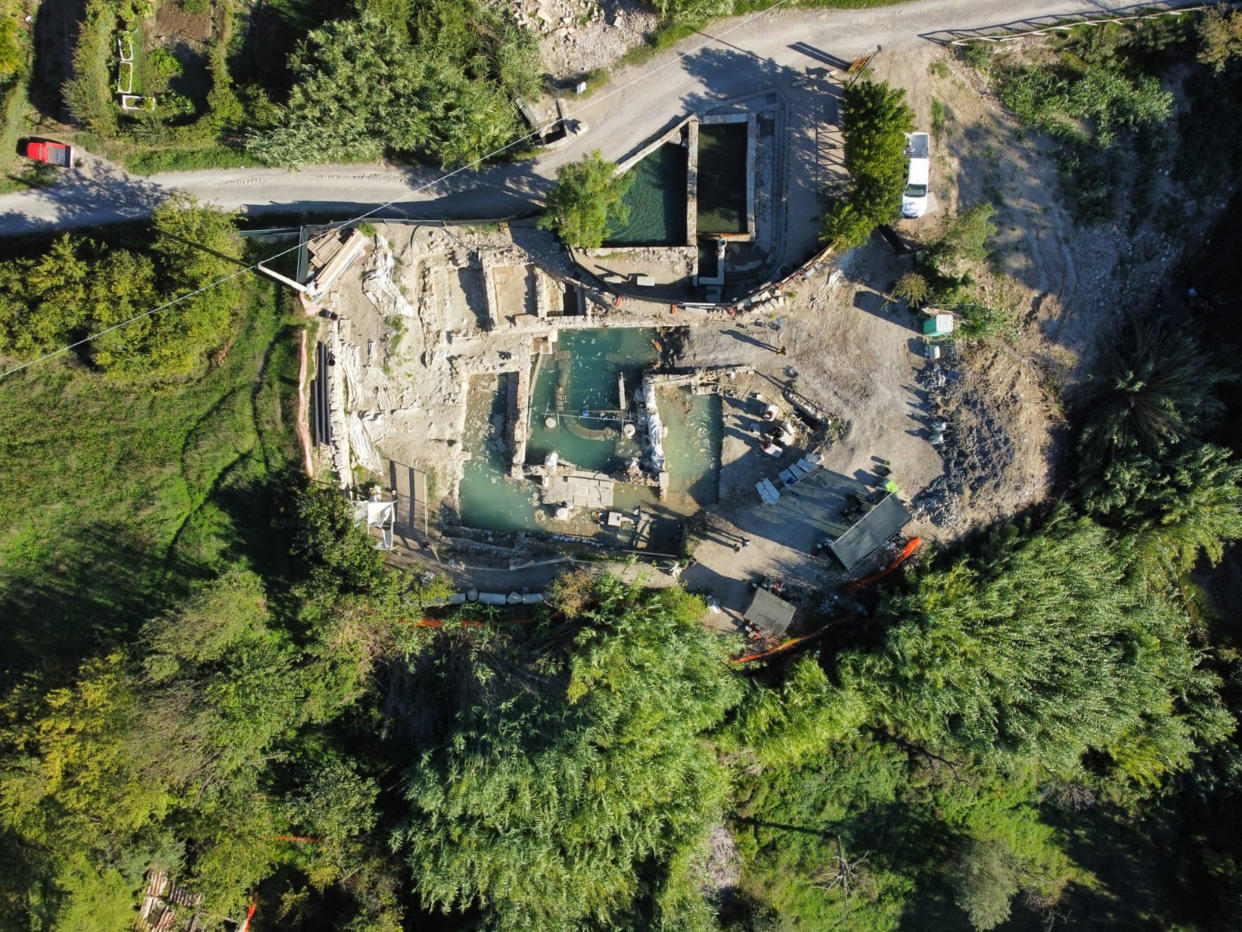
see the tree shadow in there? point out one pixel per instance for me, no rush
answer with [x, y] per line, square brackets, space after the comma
[55, 36]
[89, 598]
[75, 200]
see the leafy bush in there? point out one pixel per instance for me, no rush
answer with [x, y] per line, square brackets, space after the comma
[586, 203]
[978, 55]
[1086, 111]
[78, 286]
[692, 12]
[945, 266]
[172, 105]
[940, 120]
[164, 64]
[1107, 99]
[982, 322]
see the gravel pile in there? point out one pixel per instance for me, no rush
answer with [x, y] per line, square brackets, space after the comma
[976, 449]
[579, 36]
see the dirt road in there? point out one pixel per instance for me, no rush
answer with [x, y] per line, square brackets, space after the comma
[732, 58]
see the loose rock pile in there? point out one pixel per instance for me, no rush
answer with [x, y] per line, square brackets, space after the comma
[578, 36]
[977, 447]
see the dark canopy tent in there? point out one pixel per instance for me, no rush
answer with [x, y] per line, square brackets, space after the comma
[769, 612]
[870, 533]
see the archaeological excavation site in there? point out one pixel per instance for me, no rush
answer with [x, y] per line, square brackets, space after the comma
[710, 397]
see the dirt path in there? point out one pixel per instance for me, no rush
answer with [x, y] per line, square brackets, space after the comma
[731, 58]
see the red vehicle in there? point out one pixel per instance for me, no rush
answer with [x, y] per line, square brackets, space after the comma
[53, 153]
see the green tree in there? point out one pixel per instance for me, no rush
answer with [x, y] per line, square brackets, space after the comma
[547, 774]
[1044, 648]
[359, 91]
[1220, 32]
[796, 824]
[986, 880]
[142, 756]
[803, 715]
[875, 120]
[1181, 507]
[438, 80]
[43, 302]
[197, 255]
[587, 202]
[12, 52]
[338, 554]
[1155, 388]
[78, 287]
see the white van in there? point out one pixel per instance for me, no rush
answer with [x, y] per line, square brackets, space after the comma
[914, 198]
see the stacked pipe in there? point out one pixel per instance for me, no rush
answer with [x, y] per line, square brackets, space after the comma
[319, 395]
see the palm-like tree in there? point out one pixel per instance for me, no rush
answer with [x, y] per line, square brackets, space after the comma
[1154, 389]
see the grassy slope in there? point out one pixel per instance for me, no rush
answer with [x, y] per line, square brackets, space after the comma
[114, 497]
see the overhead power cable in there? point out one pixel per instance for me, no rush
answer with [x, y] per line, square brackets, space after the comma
[343, 224]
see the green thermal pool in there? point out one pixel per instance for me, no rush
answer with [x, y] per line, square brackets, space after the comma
[578, 387]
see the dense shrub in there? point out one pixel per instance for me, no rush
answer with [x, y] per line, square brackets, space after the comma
[79, 286]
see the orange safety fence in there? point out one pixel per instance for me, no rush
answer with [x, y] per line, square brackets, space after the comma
[912, 545]
[784, 645]
[468, 623]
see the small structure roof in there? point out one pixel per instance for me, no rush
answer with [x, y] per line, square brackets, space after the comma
[870, 533]
[769, 612]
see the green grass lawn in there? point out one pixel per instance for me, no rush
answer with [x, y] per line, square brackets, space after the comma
[115, 497]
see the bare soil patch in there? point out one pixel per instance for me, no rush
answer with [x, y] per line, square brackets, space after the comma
[1065, 285]
[173, 22]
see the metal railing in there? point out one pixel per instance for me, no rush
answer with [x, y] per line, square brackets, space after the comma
[1041, 25]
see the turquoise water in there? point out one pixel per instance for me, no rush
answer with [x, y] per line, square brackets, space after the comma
[722, 178]
[584, 370]
[692, 447]
[586, 379]
[657, 201]
[488, 498]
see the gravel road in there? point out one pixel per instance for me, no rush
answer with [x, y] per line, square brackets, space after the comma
[731, 58]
